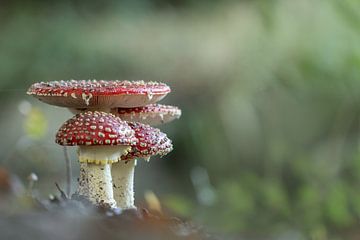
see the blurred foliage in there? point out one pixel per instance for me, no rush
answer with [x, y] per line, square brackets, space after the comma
[35, 124]
[179, 205]
[269, 92]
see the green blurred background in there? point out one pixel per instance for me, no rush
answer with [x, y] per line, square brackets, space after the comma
[268, 144]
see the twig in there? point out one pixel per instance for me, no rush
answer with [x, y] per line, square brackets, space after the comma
[68, 172]
[63, 195]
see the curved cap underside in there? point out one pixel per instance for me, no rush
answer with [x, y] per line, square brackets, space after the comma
[153, 114]
[99, 94]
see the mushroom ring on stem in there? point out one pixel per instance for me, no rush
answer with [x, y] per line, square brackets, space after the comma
[151, 142]
[102, 138]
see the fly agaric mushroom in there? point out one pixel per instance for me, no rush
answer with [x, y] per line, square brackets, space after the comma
[98, 95]
[152, 114]
[151, 142]
[102, 138]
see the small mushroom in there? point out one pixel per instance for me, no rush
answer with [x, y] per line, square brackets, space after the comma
[98, 95]
[151, 141]
[102, 138]
[152, 114]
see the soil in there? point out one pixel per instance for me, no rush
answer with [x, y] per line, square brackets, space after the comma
[64, 218]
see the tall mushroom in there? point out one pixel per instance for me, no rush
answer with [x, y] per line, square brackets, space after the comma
[152, 114]
[151, 141]
[102, 138]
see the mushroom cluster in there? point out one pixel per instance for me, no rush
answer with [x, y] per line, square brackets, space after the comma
[111, 129]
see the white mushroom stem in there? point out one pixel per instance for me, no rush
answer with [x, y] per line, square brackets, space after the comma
[95, 182]
[83, 188]
[100, 185]
[123, 178]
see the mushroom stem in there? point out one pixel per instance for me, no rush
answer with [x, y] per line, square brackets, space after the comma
[95, 182]
[99, 180]
[123, 178]
[83, 188]
[68, 172]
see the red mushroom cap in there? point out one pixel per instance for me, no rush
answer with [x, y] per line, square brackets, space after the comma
[95, 128]
[151, 142]
[153, 114]
[99, 94]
